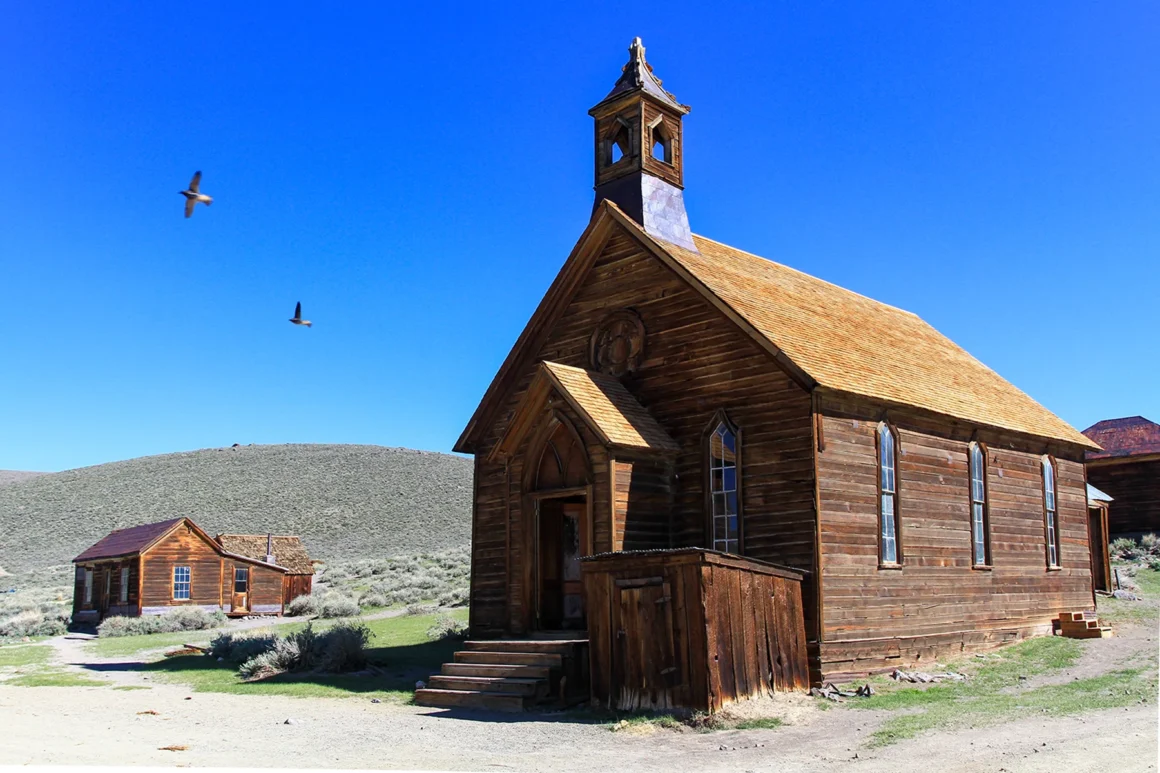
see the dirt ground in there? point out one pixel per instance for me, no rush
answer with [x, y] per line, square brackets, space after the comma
[101, 726]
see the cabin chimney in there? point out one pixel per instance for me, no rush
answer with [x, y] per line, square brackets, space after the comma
[269, 548]
[640, 153]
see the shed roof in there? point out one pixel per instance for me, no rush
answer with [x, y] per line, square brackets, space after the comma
[1095, 495]
[128, 542]
[1129, 436]
[289, 552]
[610, 408]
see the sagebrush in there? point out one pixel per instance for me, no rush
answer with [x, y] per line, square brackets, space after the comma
[327, 605]
[442, 577]
[180, 619]
[45, 619]
[447, 627]
[339, 649]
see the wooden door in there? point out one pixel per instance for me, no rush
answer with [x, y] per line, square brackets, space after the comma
[644, 667]
[240, 598]
[1098, 544]
[562, 538]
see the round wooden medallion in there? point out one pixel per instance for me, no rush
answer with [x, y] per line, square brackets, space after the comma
[617, 346]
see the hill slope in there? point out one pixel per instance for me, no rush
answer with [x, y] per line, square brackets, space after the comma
[16, 476]
[345, 501]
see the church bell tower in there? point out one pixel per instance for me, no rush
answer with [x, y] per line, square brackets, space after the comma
[640, 151]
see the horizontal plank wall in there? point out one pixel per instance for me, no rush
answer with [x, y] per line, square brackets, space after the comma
[489, 569]
[695, 363]
[1134, 486]
[642, 494]
[182, 547]
[937, 603]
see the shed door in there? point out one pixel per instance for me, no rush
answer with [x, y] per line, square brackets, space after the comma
[240, 600]
[644, 664]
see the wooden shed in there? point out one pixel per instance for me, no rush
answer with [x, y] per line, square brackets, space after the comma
[1099, 504]
[154, 568]
[285, 551]
[672, 392]
[1127, 467]
[691, 628]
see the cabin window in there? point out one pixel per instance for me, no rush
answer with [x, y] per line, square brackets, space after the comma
[888, 553]
[88, 586]
[181, 582]
[980, 531]
[124, 584]
[723, 488]
[241, 579]
[1050, 516]
[108, 584]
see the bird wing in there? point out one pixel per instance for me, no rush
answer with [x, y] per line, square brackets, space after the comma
[195, 182]
[189, 206]
[298, 310]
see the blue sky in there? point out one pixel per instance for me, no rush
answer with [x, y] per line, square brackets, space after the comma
[417, 175]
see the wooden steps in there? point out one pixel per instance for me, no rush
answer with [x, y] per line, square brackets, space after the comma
[1082, 625]
[504, 675]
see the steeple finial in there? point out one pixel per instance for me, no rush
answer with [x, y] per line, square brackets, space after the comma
[638, 75]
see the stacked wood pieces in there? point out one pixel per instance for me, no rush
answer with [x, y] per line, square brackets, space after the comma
[1082, 625]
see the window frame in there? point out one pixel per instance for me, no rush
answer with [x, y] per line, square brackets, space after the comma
[1050, 515]
[722, 418]
[188, 583]
[123, 577]
[985, 502]
[88, 587]
[895, 494]
[246, 571]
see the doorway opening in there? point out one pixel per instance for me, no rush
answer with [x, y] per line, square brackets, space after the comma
[561, 541]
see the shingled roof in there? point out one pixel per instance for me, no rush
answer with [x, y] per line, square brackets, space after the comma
[128, 542]
[610, 408]
[822, 334]
[1130, 436]
[289, 552]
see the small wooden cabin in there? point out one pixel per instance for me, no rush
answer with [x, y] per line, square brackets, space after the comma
[157, 567]
[287, 552]
[673, 392]
[1127, 467]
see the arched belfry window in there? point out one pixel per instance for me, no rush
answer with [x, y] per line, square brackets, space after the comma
[724, 485]
[1050, 515]
[888, 548]
[980, 528]
[563, 462]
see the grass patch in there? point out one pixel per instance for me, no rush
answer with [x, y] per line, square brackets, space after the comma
[1118, 688]
[1147, 610]
[400, 653]
[762, 723]
[994, 691]
[133, 645]
[55, 678]
[128, 687]
[24, 655]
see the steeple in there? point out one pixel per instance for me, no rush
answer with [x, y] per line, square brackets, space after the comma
[640, 151]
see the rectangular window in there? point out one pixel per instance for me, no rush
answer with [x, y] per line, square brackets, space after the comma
[723, 502]
[980, 549]
[1051, 517]
[241, 579]
[124, 584]
[887, 497]
[88, 586]
[181, 579]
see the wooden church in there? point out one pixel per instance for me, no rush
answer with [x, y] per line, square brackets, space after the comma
[702, 476]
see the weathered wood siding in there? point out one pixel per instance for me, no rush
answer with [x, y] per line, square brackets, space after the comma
[936, 603]
[111, 604]
[696, 363]
[182, 547]
[295, 585]
[691, 629]
[1135, 490]
[642, 498]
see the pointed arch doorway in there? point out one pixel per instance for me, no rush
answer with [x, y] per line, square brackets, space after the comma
[559, 505]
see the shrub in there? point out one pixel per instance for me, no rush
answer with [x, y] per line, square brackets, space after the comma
[447, 627]
[180, 619]
[1125, 549]
[1150, 543]
[339, 649]
[333, 605]
[240, 647]
[454, 598]
[343, 648]
[373, 599]
[44, 620]
[302, 605]
[282, 656]
[421, 609]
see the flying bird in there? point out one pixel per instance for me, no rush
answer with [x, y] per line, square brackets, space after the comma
[193, 195]
[297, 318]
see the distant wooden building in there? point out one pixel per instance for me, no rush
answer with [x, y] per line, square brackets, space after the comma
[1128, 468]
[671, 392]
[287, 552]
[157, 567]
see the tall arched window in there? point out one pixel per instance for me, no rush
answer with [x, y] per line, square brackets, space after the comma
[724, 486]
[980, 529]
[1050, 517]
[888, 552]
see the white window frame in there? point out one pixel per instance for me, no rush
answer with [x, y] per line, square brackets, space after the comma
[124, 585]
[88, 586]
[1050, 513]
[180, 585]
[889, 553]
[977, 471]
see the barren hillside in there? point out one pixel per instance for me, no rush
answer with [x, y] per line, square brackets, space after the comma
[346, 501]
[17, 476]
